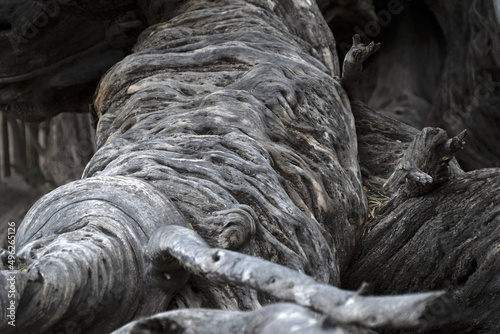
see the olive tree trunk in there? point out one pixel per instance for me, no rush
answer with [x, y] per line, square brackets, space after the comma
[231, 174]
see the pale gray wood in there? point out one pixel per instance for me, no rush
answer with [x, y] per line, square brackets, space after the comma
[228, 118]
[445, 238]
[51, 61]
[293, 318]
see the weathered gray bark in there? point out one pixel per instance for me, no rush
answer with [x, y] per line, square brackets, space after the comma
[442, 236]
[428, 246]
[227, 153]
[440, 66]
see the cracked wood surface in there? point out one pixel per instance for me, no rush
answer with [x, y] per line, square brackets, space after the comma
[235, 117]
[446, 238]
[226, 119]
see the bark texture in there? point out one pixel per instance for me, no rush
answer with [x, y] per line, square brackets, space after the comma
[225, 111]
[445, 239]
[244, 130]
[440, 66]
[82, 246]
[232, 173]
[428, 246]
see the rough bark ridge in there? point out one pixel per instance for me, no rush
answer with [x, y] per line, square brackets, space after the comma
[446, 239]
[430, 246]
[225, 120]
[224, 139]
[243, 130]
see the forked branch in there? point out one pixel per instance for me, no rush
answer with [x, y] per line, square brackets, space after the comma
[285, 284]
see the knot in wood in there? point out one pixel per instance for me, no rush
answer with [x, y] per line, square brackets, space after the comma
[237, 227]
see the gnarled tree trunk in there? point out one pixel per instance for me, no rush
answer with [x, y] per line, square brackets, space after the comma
[231, 173]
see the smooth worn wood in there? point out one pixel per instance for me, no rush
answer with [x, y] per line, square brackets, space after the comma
[234, 172]
[81, 245]
[347, 307]
[293, 318]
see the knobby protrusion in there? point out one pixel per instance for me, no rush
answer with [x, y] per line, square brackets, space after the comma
[353, 64]
[425, 164]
